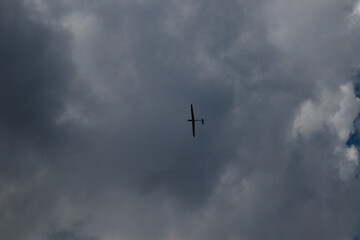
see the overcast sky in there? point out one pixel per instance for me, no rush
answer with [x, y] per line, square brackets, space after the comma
[94, 98]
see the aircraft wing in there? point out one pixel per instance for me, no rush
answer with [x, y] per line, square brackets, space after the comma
[192, 113]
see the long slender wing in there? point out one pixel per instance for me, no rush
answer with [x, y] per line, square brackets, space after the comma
[193, 127]
[192, 113]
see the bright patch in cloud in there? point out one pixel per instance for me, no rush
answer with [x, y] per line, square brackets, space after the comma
[334, 110]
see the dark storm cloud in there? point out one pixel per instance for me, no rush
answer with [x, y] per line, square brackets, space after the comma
[34, 73]
[35, 70]
[110, 147]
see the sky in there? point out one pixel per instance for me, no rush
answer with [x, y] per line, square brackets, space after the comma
[95, 97]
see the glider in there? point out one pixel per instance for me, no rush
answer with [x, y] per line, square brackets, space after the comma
[193, 120]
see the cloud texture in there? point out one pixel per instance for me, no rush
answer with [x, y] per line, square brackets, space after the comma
[95, 97]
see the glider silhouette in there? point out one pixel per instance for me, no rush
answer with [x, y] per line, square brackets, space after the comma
[193, 120]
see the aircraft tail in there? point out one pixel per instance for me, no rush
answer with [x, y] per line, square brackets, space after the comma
[202, 121]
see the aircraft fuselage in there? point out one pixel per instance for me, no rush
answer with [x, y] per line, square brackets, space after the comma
[193, 120]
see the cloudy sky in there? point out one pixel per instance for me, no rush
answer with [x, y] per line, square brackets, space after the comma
[95, 95]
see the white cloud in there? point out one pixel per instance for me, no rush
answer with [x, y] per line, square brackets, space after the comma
[354, 16]
[334, 110]
[348, 161]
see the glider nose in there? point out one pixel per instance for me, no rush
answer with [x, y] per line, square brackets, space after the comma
[202, 121]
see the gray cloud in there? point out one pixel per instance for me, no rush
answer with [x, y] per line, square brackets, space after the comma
[35, 70]
[95, 120]
[73, 233]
